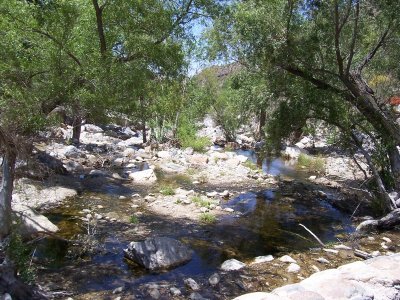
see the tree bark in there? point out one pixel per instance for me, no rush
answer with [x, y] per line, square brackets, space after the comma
[76, 129]
[366, 103]
[100, 28]
[6, 189]
[394, 158]
[261, 124]
[390, 204]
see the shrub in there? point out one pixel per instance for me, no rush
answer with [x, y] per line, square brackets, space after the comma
[312, 164]
[187, 136]
[207, 218]
[21, 255]
[168, 191]
[134, 219]
[200, 202]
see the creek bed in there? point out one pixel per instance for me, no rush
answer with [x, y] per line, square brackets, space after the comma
[265, 222]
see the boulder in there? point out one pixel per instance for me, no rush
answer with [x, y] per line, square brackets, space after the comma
[198, 159]
[73, 167]
[158, 253]
[164, 154]
[144, 177]
[91, 128]
[293, 152]
[375, 278]
[32, 222]
[232, 265]
[71, 152]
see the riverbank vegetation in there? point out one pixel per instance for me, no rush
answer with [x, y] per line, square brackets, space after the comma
[284, 70]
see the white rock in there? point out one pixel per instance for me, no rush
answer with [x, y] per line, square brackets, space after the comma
[91, 128]
[293, 268]
[32, 222]
[331, 251]
[322, 260]
[144, 177]
[342, 247]
[232, 265]
[192, 284]
[224, 194]
[312, 177]
[214, 279]
[261, 259]
[242, 158]
[164, 154]
[203, 209]
[212, 194]
[228, 209]
[287, 259]
[386, 239]
[175, 291]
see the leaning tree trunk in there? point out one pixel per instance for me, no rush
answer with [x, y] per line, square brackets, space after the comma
[366, 103]
[389, 202]
[6, 189]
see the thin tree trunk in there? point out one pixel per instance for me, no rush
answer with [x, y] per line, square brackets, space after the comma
[390, 204]
[6, 189]
[176, 123]
[261, 124]
[76, 129]
[394, 158]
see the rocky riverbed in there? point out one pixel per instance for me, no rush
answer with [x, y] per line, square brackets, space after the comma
[112, 192]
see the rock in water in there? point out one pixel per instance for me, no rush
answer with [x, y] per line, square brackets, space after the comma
[158, 253]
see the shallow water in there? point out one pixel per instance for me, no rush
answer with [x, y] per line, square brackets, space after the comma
[265, 222]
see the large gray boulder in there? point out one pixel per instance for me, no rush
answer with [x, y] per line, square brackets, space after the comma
[376, 278]
[32, 222]
[158, 253]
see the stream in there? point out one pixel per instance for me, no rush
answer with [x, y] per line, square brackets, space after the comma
[265, 222]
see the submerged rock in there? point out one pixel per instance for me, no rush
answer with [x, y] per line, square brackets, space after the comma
[158, 253]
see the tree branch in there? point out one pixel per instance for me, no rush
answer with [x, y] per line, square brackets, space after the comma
[339, 57]
[371, 54]
[100, 28]
[71, 55]
[354, 38]
[176, 23]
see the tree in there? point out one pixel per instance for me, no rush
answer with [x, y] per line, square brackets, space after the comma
[335, 48]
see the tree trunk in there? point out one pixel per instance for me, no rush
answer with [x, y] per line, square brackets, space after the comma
[261, 124]
[76, 129]
[6, 189]
[390, 204]
[144, 131]
[366, 103]
[394, 158]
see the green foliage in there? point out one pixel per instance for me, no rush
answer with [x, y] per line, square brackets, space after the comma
[313, 164]
[21, 254]
[249, 164]
[187, 136]
[200, 202]
[134, 219]
[207, 218]
[167, 190]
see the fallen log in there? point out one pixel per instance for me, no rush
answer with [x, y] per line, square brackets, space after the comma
[389, 221]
